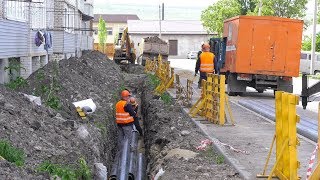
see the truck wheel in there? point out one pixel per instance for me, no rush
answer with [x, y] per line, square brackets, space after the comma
[229, 92]
[235, 87]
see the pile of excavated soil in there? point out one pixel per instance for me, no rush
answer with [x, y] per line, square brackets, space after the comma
[171, 139]
[154, 39]
[58, 134]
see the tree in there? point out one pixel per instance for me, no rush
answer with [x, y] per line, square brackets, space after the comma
[284, 8]
[102, 34]
[247, 6]
[212, 18]
[306, 44]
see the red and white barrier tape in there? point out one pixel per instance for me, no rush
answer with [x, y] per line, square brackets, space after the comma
[207, 142]
[311, 162]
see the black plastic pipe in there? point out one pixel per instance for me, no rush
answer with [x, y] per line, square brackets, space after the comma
[141, 171]
[133, 156]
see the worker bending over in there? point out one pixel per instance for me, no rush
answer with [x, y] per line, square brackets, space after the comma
[205, 63]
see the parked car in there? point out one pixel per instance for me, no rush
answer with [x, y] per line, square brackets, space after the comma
[192, 55]
[305, 61]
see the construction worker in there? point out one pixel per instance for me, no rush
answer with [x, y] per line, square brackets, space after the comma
[205, 63]
[126, 117]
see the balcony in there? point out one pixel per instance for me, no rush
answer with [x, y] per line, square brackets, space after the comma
[88, 12]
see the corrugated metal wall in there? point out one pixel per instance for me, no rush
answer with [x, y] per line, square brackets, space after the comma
[57, 41]
[69, 43]
[14, 38]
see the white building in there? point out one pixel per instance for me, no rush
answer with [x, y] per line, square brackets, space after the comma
[20, 21]
[183, 36]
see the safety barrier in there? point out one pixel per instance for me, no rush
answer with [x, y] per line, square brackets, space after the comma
[285, 138]
[183, 94]
[163, 71]
[211, 104]
[316, 173]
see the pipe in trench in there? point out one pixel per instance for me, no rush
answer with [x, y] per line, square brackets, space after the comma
[133, 156]
[141, 171]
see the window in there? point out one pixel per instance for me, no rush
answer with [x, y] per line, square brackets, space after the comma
[109, 30]
[38, 15]
[121, 29]
[303, 56]
[16, 10]
[69, 19]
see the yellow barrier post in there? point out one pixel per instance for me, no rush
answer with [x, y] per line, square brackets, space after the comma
[199, 105]
[209, 100]
[286, 165]
[222, 99]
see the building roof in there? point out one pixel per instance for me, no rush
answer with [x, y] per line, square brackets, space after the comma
[116, 18]
[167, 27]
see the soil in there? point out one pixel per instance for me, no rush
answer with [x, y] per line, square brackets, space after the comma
[61, 136]
[154, 39]
[171, 139]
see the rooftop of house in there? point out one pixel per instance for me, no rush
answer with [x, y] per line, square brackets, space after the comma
[167, 27]
[116, 18]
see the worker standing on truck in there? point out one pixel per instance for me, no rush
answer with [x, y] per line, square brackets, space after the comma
[205, 63]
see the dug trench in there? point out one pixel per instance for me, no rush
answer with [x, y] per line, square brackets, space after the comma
[51, 140]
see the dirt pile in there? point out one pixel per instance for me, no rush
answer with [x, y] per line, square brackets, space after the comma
[154, 39]
[57, 134]
[171, 139]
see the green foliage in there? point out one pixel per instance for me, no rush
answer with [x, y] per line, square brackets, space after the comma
[247, 6]
[166, 98]
[11, 154]
[154, 80]
[213, 17]
[102, 33]
[49, 88]
[53, 102]
[17, 83]
[212, 155]
[284, 8]
[306, 43]
[82, 171]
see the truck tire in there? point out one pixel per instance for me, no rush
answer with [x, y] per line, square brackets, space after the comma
[260, 90]
[283, 85]
[235, 87]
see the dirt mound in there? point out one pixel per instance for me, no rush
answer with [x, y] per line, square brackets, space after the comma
[154, 39]
[57, 133]
[171, 139]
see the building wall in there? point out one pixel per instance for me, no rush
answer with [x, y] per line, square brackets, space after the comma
[1, 9]
[115, 30]
[4, 75]
[186, 43]
[14, 38]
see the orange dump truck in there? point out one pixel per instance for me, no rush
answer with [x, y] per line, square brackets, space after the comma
[262, 52]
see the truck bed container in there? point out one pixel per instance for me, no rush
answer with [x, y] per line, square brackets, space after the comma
[263, 45]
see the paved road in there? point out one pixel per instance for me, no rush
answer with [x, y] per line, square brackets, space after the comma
[186, 67]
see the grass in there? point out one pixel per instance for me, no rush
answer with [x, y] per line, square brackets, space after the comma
[213, 156]
[102, 127]
[11, 154]
[17, 83]
[154, 80]
[166, 98]
[82, 171]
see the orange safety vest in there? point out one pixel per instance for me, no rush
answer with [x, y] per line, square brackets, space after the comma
[122, 117]
[206, 62]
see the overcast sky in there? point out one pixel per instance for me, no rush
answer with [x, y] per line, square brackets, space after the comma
[174, 9]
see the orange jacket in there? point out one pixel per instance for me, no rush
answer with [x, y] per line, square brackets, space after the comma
[207, 62]
[122, 117]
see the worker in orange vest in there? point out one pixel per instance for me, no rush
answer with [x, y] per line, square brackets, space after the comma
[205, 63]
[126, 117]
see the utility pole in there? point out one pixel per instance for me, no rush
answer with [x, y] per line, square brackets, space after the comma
[314, 35]
[159, 21]
[260, 6]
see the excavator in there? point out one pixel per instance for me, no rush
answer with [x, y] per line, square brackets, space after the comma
[124, 49]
